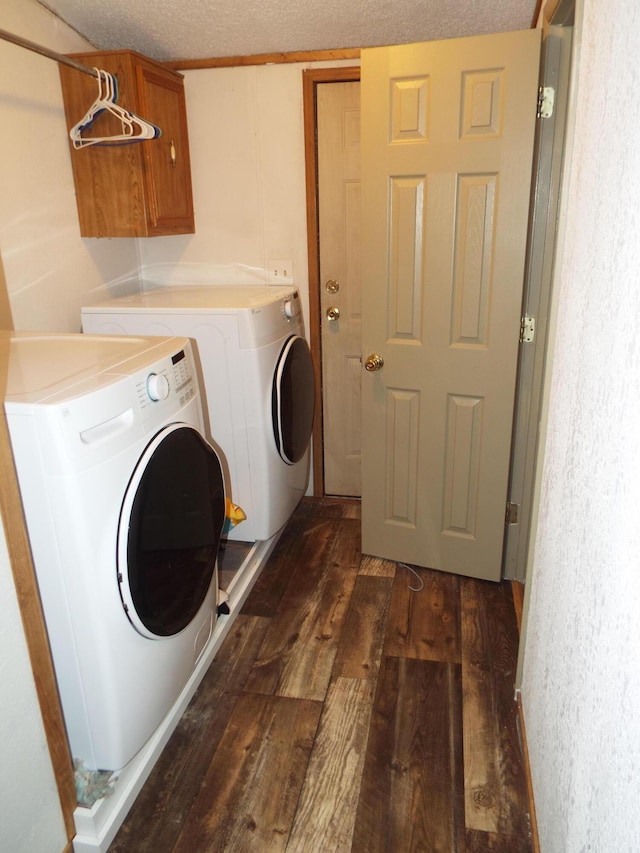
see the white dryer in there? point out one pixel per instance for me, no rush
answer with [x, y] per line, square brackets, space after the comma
[257, 378]
[124, 505]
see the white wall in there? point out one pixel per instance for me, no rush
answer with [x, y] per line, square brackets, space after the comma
[581, 677]
[39, 251]
[50, 270]
[30, 816]
[246, 138]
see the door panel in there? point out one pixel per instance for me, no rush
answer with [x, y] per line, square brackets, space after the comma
[338, 117]
[169, 189]
[446, 164]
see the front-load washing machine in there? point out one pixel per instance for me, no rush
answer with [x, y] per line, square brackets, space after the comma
[257, 378]
[124, 506]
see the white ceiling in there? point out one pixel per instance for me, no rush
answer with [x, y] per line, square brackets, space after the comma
[197, 29]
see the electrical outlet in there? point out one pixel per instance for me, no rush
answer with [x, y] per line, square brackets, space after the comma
[279, 271]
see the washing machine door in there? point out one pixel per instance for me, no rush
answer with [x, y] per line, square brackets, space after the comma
[169, 531]
[292, 400]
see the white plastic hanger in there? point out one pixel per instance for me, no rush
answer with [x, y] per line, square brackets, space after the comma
[133, 127]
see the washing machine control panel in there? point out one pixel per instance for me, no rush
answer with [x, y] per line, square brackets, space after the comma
[169, 382]
[183, 380]
[157, 386]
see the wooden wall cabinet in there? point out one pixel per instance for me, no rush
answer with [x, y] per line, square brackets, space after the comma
[141, 189]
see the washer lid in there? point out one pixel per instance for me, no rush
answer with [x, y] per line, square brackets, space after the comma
[36, 365]
[187, 299]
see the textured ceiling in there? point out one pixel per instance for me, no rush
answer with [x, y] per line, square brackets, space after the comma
[198, 29]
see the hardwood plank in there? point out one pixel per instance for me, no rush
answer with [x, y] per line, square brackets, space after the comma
[489, 842]
[424, 624]
[299, 649]
[352, 509]
[495, 784]
[316, 508]
[326, 813]
[411, 796]
[162, 807]
[230, 558]
[231, 777]
[266, 594]
[272, 582]
[377, 566]
[360, 648]
[239, 808]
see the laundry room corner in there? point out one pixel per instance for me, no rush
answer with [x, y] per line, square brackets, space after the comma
[246, 138]
[50, 270]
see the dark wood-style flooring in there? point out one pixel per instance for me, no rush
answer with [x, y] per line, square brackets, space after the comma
[346, 711]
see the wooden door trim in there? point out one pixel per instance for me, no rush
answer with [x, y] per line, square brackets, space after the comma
[330, 55]
[310, 80]
[24, 578]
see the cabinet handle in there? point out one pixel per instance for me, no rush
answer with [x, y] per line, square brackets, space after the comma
[172, 153]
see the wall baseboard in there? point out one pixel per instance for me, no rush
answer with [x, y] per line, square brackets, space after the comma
[535, 839]
[517, 590]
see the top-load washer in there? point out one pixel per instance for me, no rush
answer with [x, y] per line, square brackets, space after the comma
[257, 378]
[124, 505]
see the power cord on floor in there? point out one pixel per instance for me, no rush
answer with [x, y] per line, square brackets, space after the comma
[413, 572]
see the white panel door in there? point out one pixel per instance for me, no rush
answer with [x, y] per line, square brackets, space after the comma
[447, 141]
[339, 221]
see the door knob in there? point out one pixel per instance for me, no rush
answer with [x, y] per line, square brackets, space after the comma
[333, 312]
[374, 362]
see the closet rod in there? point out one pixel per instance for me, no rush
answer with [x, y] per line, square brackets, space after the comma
[50, 54]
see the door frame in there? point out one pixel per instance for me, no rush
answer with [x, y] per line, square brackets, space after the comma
[310, 80]
[549, 156]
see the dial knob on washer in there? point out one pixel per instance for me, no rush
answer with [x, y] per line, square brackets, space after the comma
[288, 308]
[157, 386]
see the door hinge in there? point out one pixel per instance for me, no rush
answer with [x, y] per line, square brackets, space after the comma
[512, 513]
[546, 101]
[527, 329]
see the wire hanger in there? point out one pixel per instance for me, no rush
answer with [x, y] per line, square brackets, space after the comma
[133, 128]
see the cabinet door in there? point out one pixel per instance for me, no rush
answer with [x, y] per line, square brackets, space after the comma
[167, 169]
[108, 179]
[131, 190]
